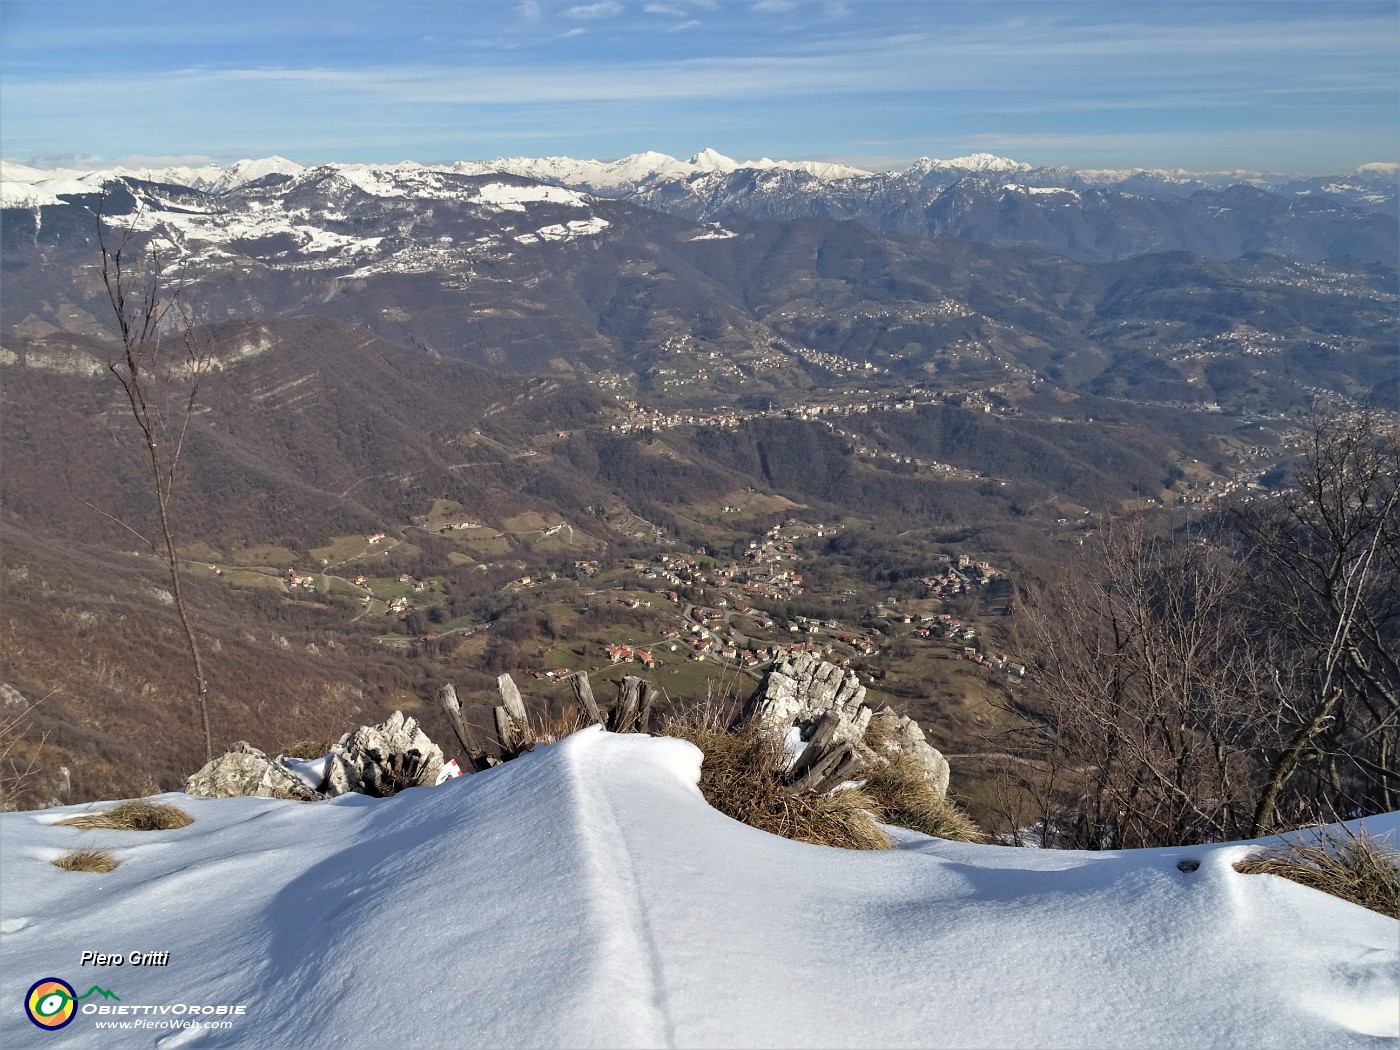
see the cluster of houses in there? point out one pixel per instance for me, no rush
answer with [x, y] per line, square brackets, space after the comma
[640, 419]
[626, 654]
[760, 573]
[945, 625]
[999, 662]
[296, 579]
[968, 574]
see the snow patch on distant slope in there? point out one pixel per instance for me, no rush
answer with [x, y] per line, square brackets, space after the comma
[1039, 191]
[610, 176]
[514, 198]
[570, 230]
[973, 162]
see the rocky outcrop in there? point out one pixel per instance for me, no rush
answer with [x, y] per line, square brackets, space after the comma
[374, 760]
[826, 706]
[894, 733]
[244, 770]
[384, 759]
[800, 689]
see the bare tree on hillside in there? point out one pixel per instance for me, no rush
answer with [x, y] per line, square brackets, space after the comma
[1216, 684]
[1148, 693]
[160, 365]
[1326, 566]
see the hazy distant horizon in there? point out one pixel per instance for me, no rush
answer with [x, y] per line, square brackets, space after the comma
[89, 164]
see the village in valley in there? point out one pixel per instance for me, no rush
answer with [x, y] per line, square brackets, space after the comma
[691, 614]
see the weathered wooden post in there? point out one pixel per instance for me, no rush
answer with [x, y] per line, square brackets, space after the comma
[512, 723]
[624, 716]
[650, 692]
[583, 692]
[452, 708]
[822, 766]
[510, 696]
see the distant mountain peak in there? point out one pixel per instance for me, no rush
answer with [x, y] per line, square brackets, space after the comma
[973, 162]
[987, 162]
[712, 160]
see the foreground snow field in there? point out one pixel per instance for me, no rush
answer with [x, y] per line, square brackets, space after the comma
[585, 895]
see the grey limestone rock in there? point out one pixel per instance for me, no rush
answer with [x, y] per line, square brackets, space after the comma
[383, 759]
[801, 689]
[244, 770]
[902, 734]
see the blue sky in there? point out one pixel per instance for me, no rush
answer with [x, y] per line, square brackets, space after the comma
[1205, 85]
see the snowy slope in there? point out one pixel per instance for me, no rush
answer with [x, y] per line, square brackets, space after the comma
[586, 895]
[24, 187]
[616, 176]
[355, 219]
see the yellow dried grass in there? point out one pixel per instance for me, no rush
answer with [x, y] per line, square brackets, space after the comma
[137, 815]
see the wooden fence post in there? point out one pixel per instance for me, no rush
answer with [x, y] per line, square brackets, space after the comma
[583, 692]
[649, 694]
[624, 716]
[512, 723]
[510, 696]
[452, 708]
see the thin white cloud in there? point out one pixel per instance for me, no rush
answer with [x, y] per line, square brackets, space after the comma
[576, 31]
[673, 10]
[606, 9]
[530, 10]
[944, 78]
[1174, 65]
[682, 26]
[774, 7]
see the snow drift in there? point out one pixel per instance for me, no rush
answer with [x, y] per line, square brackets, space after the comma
[585, 895]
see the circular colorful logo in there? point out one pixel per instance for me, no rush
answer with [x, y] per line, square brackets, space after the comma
[50, 1003]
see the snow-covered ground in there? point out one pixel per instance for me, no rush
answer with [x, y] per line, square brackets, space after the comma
[586, 895]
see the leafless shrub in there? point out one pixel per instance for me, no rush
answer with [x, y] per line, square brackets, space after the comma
[19, 764]
[1146, 695]
[160, 364]
[1325, 556]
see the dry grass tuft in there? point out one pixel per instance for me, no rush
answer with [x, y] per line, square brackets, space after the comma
[137, 815]
[96, 860]
[551, 727]
[308, 748]
[1352, 866]
[878, 736]
[904, 797]
[740, 777]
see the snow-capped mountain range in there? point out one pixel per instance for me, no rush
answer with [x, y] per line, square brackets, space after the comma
[25, 185]
[1371, 184]
[411, 215]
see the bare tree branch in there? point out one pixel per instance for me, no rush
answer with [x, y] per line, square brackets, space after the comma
[148, 304]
